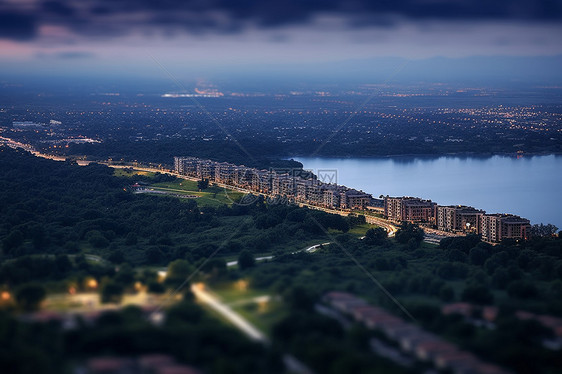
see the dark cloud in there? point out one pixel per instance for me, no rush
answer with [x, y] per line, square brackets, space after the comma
[58, 8]
[107, 17]
[17, 26]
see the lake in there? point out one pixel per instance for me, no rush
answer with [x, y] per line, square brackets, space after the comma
[529, 186]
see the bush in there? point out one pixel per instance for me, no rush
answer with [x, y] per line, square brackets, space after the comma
[155, 287]
[29, 296]
[457, 255]
[522, 290]
[409, 231]
[446, 293]
[375, 236]
[112, 292]
[96, 239]
[477, 294]
[246, 260]
[178, 272]
[452, 271]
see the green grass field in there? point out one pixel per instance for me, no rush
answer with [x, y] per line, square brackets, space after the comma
[128, 173]
[360, 230]
[212, 196]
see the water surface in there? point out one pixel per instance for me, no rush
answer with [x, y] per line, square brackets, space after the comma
[530, 186]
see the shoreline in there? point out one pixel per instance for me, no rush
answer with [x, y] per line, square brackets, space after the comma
[427, 155]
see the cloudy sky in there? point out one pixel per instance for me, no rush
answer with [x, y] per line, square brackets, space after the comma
[129, 36]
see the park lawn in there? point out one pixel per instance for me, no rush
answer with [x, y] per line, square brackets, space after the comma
[63, 303]
[233, 292]
[217, 200]
[179, 184]
[212, 196]
[119, 172]
[368, 213]
[426, 245]
[357, 231]
[360, 230]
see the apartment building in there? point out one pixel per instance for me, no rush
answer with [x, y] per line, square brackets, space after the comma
[283, 185]
[496, 227]
[332, 197]
[225, 173]
[411, 209]
[458, 218]
[353, 199]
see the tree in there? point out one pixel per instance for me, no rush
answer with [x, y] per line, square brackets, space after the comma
[464, 243]
[409, 231]
[457, 255]
[37, 234]
[117, 257]
[522, 289]
[477, 294]
[478, 256]
[202, 184]
[541, 230]
[501, 278]
[97, 239]
[215, 268]
[153, 256]
[63, 263]
[112, 292]
[446, 293]
[299, 298]
[246, 260]
[375, 236]
[178, 272]
[125, 276]
[131, 239]
[29, 296]
[452, 270]
[155, 287]
[12, 241]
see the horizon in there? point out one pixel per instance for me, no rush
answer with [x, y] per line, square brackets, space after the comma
[333, 42]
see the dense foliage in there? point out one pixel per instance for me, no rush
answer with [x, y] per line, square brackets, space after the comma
[189, 334]
[513, 276]
[61, 208]
[62, 224]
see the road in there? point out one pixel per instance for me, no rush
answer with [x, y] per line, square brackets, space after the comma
[310, 249]
[258, 259]
[390, 228]
[314, 248]
[224, 310]
[292, 364]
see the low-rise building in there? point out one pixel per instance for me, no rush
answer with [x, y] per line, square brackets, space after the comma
[412, 339]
